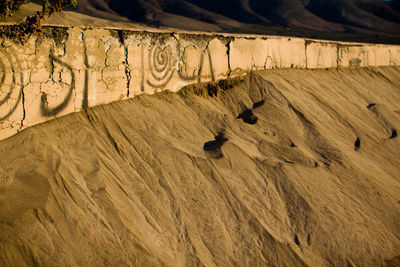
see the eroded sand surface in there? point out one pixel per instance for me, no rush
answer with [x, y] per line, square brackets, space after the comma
[309, 174]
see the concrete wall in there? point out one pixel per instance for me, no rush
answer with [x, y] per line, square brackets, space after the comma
[65, 70]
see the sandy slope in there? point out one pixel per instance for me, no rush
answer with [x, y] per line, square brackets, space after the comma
[130, 184]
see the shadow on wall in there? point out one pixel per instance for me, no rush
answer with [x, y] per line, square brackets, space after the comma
[151, 62]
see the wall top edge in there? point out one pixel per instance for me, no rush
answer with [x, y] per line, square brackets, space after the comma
[178, 32]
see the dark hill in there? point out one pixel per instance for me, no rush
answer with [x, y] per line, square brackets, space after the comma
[357, 20]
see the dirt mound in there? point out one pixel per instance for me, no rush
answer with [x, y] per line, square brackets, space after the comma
[283, 166]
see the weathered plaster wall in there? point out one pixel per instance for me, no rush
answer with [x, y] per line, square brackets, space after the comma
[68, 69]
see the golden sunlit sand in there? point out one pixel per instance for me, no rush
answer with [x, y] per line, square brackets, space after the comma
[280, 167]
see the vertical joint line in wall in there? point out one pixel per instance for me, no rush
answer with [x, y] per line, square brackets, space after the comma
[85, 101]
[211, 65]
[305, 52]
[228, 52]
[200, 69]
[121, 36]
[23, 106]
[127, 71]
[51, 65]
[337, 54]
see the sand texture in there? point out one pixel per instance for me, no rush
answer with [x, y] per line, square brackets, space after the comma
[278, 168]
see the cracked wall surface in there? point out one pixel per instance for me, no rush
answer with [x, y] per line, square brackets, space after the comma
[65, 70]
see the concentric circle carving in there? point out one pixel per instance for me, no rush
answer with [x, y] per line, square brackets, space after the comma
[11, 83]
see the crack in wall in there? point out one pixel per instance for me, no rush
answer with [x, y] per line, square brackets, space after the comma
[23, 107]
[118, 38]
[305, 52]
[203, 44]
[23, 100]
[228, 52]
[85, 100]
[51, 63]
[127, 71]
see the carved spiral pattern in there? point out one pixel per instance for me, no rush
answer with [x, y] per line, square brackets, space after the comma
[160, 64]
[10, 84]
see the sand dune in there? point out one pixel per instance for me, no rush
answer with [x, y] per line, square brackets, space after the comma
[281, 167]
